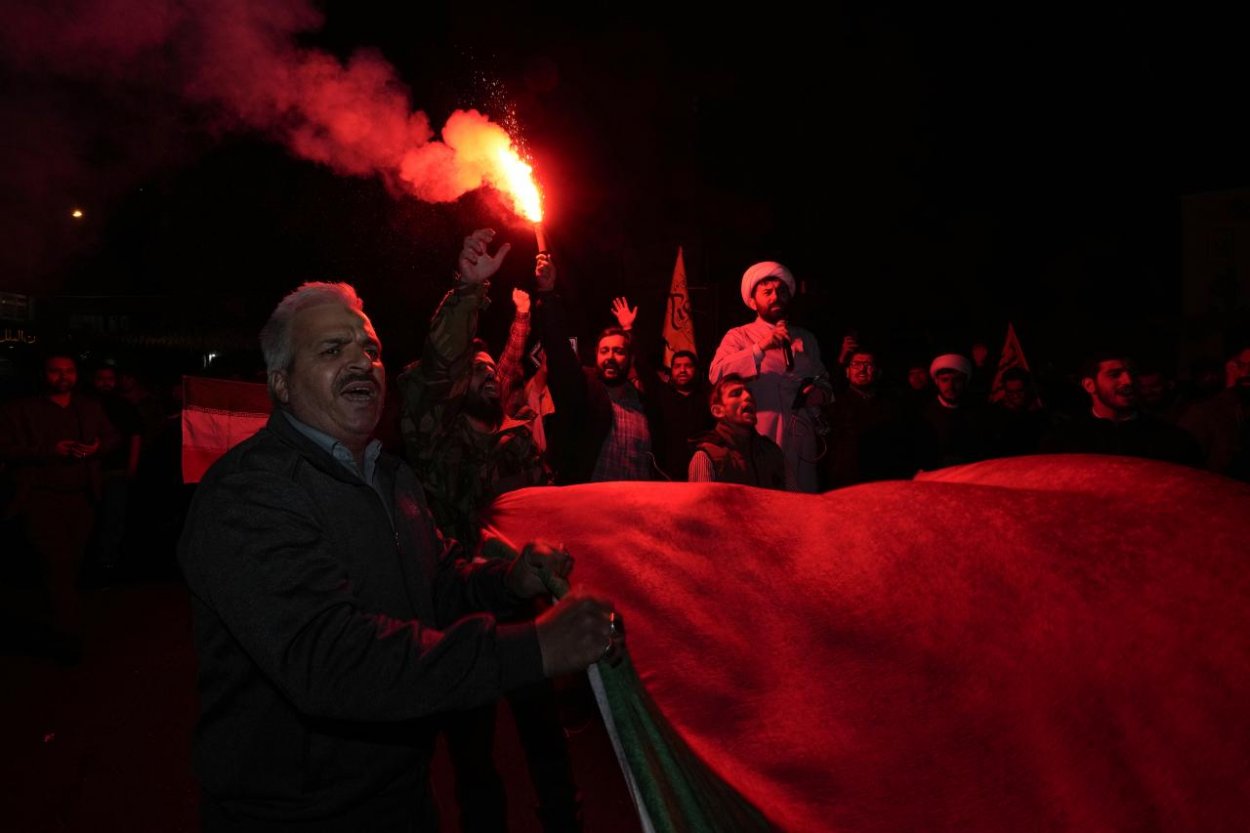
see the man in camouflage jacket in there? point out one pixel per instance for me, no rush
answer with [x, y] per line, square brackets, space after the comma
[464, 446]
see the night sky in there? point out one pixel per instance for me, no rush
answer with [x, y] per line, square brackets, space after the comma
[928, 175]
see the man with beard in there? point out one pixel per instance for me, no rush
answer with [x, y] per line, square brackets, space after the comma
[467, 452]
[733, 451]
[53, 443]
[1114, 424]
[332, 620]
[118, 471]
[603, 424]
[683, 411]
[1221, 425]
[952, 428]
[782, 363]
[868, 439]
[1017, 420]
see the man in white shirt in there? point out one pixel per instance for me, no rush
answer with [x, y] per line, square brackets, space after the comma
[782, 363]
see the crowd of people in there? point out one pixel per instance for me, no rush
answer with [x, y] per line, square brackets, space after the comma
[349, 606]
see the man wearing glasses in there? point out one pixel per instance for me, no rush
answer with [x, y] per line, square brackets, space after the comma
[867, 438]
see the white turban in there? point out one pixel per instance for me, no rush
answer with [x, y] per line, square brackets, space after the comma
[760, 271]
[951, 361]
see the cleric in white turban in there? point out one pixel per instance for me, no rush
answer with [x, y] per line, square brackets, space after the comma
[950, 361]
[760, 271]
[782, 364]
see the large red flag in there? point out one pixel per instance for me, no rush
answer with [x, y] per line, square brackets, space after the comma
[1027, 644]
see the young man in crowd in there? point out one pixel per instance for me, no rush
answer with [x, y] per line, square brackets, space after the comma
[734, 451]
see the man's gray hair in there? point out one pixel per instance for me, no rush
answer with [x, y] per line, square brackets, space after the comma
[275, 336]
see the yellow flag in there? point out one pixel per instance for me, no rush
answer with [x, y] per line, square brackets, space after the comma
[678, 323]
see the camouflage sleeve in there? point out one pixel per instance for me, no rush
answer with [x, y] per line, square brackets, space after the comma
[432, 388]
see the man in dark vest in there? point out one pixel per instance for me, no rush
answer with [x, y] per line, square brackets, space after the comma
[733, 451]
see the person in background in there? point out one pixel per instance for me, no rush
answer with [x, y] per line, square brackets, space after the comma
[1221, 424]
[467, 450]
[683, 411]
[1017, 422]
[952, 429]
[604, 422]
[118, 470]
[869, 437]
[53, 443]
[1114, 423]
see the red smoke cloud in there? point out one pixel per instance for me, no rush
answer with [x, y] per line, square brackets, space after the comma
[239, 60]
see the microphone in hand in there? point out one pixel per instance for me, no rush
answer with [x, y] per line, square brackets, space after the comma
[787, 353]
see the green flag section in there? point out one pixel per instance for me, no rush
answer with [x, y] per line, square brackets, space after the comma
[1035, 643]
[675, 792]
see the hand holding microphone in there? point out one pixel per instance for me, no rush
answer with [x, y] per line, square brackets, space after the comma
[787, 351]
[779, 337]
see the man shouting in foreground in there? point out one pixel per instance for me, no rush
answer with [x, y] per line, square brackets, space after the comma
[331, 619]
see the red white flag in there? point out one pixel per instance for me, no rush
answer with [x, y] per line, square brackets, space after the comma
[218, 414]
[678, 324]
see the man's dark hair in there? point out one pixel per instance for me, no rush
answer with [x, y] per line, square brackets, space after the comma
[1091, 363]
[688, 354]
[1018, 374]
[714, 397]
[479, 345]
[615, 331]
[58, 351]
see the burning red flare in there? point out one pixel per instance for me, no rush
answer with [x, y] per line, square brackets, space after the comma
[516, 179]
[474, 151]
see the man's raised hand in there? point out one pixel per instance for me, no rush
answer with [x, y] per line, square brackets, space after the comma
[476, 264]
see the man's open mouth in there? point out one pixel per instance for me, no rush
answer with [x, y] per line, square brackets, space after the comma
[360, 391]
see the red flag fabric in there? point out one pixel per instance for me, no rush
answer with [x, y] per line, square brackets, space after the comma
[678, 323]
[1039, 643]
[217, 414]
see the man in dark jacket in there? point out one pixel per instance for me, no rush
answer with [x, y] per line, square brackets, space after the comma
[468, 451]
[868, 429]
[54, 442]
[683, 412]
[1114, 424]
[331, 619]
[603, 423]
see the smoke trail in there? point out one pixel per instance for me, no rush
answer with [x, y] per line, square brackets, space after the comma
[240, 63]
